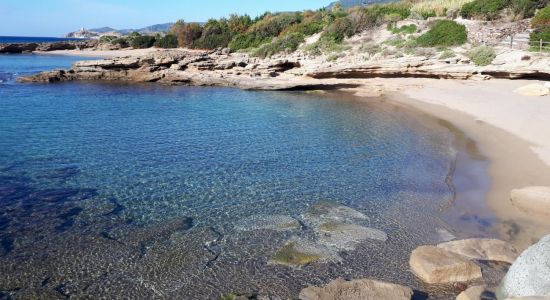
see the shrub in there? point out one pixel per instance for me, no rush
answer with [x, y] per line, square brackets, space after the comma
[542, 18]
[371, 48]
[483, 9]
[444, 33]
[289, 42]
[482, 55]
[246, 41]
[272, 25]
[167, 41]
[446, 54]
[239, 24]
[337, 31]
[375, 15]
[540, 34]
[121, 42]
[526, 8]
[407, 29]
[142, 41]
[215, 34]
[106, 39]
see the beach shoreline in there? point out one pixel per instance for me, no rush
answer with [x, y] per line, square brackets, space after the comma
[515, 161]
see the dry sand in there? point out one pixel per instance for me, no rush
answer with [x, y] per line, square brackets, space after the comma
[511, 130]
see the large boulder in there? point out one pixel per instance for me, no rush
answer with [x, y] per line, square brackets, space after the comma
[360, 289]
[533, 90]
[437, 265]
[529, 275]
[483, 249]
[18, 48]
[534, 199]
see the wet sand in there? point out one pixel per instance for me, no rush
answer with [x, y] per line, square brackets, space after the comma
[492, 115]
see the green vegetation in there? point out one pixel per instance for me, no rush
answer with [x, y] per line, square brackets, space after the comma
[138, 41]
[289, 42]
[482, 55]
[437, 8]
[167, 41]
[370, 48]
[483, 9]
[406, 29]
[538, 35]
[446, 54]
[444, 33]
[541, 19]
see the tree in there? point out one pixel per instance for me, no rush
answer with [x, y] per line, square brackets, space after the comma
[186, 33]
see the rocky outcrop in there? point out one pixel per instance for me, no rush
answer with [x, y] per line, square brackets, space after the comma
[482, 249]
[529, 275]
[436, 265]
[18, 48]
[30, 47]
[534, 200]
[360, 289]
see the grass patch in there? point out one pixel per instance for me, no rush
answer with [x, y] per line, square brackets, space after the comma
[437, 8]
[405, 29]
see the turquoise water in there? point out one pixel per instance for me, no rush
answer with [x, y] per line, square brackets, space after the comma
[129, 190]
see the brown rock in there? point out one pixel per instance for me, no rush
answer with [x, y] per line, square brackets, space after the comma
[535, 199]
[360, 289]
[437, 265]
[483, 249]
[472, 293]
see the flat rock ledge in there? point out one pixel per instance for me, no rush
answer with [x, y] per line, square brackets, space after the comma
[534, 200]
[483, 249]
[291, 72]
[436, 265]
[360, 289]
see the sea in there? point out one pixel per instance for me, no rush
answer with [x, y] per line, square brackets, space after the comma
[28, 39]
[143, 191]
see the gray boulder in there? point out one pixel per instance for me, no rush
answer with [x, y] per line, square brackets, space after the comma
[529, 275]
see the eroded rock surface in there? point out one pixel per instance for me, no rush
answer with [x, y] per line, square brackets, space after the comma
[535, 199]
[360, 289]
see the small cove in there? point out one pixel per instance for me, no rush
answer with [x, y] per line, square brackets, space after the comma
[145, 187]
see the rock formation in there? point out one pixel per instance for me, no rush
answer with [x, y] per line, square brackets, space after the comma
[535, 200]
[360, 289]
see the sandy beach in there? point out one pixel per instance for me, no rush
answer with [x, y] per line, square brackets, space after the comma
[509, 129]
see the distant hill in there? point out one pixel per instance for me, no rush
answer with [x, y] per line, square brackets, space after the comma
[90, 33]
[351, 3]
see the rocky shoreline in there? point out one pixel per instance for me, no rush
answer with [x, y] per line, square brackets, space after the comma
[18, 48]
[286, 72]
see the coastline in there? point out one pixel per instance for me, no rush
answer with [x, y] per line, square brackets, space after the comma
[514, 160]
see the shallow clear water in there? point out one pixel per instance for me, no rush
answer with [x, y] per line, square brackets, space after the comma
[139, 191]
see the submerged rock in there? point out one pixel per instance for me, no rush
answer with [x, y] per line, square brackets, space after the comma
[483, 249]
[299, 252]
[437, 265]
[360, 289]
[347, 236]
[331, 211]
[268, 222]
[529, 275]
[533, 90]
[534, 199]
[472, 293]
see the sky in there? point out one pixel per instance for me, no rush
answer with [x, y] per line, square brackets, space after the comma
[55, 18]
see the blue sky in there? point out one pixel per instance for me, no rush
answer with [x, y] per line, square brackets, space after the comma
[57, 17]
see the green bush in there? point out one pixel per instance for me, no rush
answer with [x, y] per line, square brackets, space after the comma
[444, 33]
[540, 34]
[483, 9]
[289, 42]
[106, 39]
[272, 25]
[447, 53]
[142, 41]
[338, 31]
[246, 41]
[406, 29]
[482, 55]
[167, 41]
[215, 34]
[542, 18]
[121, 42]
[186, 33]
